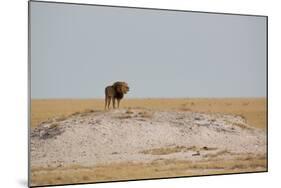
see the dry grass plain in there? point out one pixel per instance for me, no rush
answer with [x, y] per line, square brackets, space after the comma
[252, 109]
[157, 169]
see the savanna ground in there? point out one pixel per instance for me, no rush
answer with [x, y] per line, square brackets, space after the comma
[212, 160]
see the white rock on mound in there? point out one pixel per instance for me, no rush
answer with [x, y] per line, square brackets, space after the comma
[124, 135]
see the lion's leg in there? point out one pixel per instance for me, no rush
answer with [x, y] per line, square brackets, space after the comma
[118, 102]
[105, 103]
[113, 102]
[108, 102]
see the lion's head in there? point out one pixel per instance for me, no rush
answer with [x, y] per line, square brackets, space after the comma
[121, 87]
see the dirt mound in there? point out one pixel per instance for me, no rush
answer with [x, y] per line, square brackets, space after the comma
[141, 135]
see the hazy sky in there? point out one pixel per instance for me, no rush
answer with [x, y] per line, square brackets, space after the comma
[78, 50]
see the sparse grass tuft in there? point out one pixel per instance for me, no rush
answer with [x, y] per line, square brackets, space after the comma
[169, 150]
[217, 154]
[184, 109]
[75, 113]
[145, 114]
[89, 111]
[54, 125]
[61, 118]
[129, 111]
[241, 125]
[124, 117]
[208, 148]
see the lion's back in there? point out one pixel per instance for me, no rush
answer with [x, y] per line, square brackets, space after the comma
[109, 91]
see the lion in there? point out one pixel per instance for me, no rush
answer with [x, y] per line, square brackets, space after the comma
[116, 91]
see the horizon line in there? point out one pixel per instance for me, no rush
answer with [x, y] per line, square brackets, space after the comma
[134, 98]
